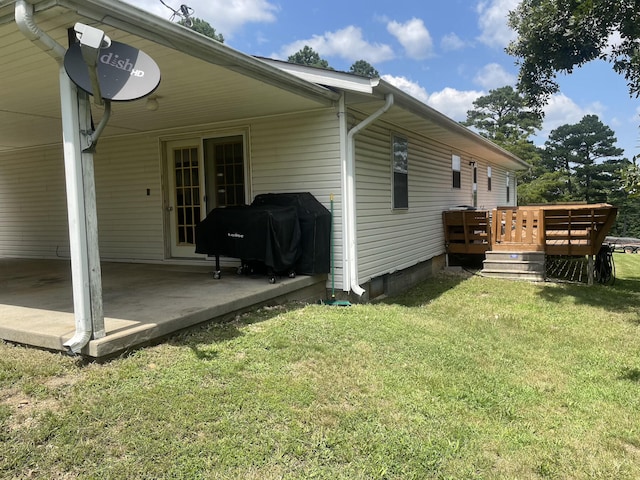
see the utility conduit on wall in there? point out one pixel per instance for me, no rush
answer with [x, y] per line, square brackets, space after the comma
[351, 238]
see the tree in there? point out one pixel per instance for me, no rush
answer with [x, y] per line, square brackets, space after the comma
[631, 179]
[203, 27]
[555, 36]
[364, 68]
[584, 155]
[503, 116]
[308, 56]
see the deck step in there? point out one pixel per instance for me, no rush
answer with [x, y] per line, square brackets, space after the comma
[528, 266]
[513, 266]
[511, 275]
[515, 256]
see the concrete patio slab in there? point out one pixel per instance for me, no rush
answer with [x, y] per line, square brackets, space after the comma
[142, 302]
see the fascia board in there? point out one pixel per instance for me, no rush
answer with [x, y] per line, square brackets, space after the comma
[330, 78]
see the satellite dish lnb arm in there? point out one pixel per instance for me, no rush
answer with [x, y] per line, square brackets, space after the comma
[91, 41]
[92, 139]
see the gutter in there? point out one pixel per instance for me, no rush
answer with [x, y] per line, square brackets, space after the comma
[73, 177]
[415, 106]
[349, 204]
[28, 27]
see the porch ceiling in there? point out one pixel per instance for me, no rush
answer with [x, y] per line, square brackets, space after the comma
[211, 85]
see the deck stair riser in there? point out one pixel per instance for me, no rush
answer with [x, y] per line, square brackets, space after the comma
[515, 256]
[515, 265]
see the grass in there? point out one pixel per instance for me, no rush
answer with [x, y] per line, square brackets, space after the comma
[461, 377]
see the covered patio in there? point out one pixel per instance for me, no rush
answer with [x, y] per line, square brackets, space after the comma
[142, 302]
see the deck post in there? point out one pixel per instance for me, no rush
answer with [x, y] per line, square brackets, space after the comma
[590, 269]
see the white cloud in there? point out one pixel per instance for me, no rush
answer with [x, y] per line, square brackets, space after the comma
[452, 42]
[449, 101]
[412, 88]
[493, 76]
[493, 22]
[614, 40]
[562, 110]
[454, 103]
[413, 36]
[347, 43]
[226, 17]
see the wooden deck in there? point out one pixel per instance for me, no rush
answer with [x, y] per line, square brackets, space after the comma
[552, 229]
[467, 231]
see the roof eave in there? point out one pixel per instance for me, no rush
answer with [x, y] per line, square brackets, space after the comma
[145, 25]
[416, 106]
[330, 78]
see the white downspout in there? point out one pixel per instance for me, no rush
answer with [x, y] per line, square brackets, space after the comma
[75, 183]
[351, 239]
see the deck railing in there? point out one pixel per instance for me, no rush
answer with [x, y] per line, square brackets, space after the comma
[553, 229]
[467, 231]
[517, 228]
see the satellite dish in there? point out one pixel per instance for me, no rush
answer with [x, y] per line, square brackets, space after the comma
[124, 72]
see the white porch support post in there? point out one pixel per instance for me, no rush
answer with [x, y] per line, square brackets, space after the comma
[91, 218]
[82, 216]
[80, 187]
[75, 212]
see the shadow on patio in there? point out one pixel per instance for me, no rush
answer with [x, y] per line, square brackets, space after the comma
[142, 302]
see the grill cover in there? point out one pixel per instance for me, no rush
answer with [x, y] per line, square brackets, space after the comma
[315, 228]
[269, 234]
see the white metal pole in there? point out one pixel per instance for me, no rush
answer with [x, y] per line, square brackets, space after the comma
[91, 217]
[75, 212]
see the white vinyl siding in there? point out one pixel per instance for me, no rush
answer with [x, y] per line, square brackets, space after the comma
[288, 153]
[301, 153]
[130, 222]
[33, 211]
[33, 208]
[498, 194]
[297, 153]
[390, 240]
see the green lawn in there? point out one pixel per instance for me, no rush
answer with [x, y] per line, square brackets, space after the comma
[462, 377]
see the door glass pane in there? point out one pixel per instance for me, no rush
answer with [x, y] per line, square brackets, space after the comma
[225, 157]
[187, 199]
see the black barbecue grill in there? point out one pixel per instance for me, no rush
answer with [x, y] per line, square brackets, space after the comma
[282, 233]
[266, 235]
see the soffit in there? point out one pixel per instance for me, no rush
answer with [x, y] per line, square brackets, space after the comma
[193, 91]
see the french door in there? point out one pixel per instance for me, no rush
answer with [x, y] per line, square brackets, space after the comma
[202, 174]
[186, 195]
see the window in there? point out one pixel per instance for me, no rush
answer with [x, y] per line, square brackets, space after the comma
[508, 189]
[474, 167]
[455, 167]
[400, 172]
[489, 179]
[224, 162]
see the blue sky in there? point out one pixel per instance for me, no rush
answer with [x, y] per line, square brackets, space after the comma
[445, 53]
